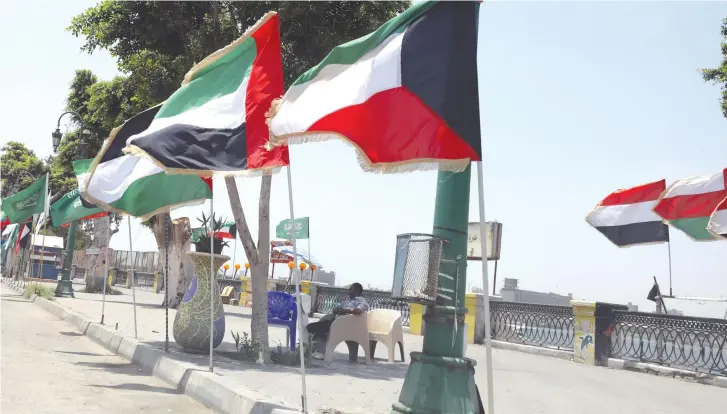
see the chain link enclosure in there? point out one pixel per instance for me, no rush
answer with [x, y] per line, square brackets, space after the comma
[416, 267]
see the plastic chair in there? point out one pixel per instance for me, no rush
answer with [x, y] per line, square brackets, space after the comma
[282, 311]
[353, 329]
[384, 325]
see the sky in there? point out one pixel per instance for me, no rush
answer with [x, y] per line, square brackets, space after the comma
[577, 99]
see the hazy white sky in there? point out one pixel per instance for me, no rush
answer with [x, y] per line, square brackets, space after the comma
[578, 99]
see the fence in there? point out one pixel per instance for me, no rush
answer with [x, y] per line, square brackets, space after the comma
[696, 344]
[539, 325]
[124, 260]
[327, 297]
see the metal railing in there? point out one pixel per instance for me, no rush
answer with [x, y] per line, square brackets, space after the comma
[327, 297]
[538, 325]
[696, 344]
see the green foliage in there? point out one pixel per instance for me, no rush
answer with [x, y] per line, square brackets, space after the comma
[250, 351]
[718, 75]
[20, 167]
[209, 226]
[38, 289]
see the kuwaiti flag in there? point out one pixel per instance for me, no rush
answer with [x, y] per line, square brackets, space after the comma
[215, 123]
[136, 186]
[626, 218]
[688, 204]
[228, 231]
[405, 95]
[718, 221]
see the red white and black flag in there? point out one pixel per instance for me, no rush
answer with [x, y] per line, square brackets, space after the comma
[626, 217]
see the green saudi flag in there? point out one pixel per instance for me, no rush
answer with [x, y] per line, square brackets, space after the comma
[70, 208]
[21, 206]
[300, 228]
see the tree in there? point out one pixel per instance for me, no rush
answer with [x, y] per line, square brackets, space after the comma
[20, 167]
[719, 75]
[155, 44]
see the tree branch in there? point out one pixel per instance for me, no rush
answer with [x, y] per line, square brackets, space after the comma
[245, 237]
[263, 238]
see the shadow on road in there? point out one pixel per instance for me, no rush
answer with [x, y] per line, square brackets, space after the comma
[67, 333]
[81, 353]
[138, 387]
[128, 368]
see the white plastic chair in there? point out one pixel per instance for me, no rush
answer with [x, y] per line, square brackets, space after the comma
[384, 325]
[353, 329]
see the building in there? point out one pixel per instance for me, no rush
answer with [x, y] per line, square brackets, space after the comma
[510, 292]
[322, 276]
[632, 307]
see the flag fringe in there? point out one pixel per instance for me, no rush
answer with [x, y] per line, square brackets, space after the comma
[712, 227]
[225, 50]
[257, 172]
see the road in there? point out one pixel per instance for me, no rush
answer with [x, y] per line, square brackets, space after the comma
[46, 366]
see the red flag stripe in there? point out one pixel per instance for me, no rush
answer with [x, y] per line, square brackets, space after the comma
[689, 206]
[640, 194]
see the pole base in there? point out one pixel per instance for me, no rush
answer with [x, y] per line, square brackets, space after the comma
[437, 384]
[64, 288]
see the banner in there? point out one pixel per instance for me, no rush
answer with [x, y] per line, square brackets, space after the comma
[70, 208]
[284, 230]
[21, 206]
[278, 257]
[494, 241]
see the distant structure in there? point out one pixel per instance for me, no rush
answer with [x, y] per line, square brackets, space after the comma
[511, 293]
[675, 312]
[321, 276]
[632, 307]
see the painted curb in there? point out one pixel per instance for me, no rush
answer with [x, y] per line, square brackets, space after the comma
[213, 390]
[654, 369]
[529, 349]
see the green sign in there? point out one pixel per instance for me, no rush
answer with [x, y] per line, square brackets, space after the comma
[70, 208]
[301, 229]
[21, 206]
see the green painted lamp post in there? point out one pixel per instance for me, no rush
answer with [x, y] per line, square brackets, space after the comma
[65, 285]
[440, 379]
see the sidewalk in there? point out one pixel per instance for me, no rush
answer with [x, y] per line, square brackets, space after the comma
[524, 383]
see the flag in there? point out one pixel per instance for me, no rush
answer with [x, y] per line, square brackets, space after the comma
[405, 96]
[626, 218]
[688, 204]
[23, 236]
[70, 207]
[654, 293]
[718, 220]
[81, 168]
[228, 231]
[215, 123]
[135, 186]
[91, 217]
[23, 205]
[4, 221]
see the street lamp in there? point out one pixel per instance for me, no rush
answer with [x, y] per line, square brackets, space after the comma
[65, 286]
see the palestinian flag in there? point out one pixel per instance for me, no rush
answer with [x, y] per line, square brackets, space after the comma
[228, 231]
[215, 123]
[626, 218]
[4, 221]
[688, 204]
[718, 221]
[135, 186]
[405, 96]
[82, 170]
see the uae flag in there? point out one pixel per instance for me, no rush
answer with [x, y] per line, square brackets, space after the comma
[215, 123]
[405, 96]
[626, 218]
[23, 236]
[718, 221]
[690, 203]
[136, 186]
[228, 231]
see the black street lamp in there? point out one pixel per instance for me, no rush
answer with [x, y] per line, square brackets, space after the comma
[65, 286]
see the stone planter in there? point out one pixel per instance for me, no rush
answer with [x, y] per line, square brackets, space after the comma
[192, 322]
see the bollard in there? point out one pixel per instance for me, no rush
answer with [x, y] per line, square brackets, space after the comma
[416, 311]
[156, 282]
[470, 302]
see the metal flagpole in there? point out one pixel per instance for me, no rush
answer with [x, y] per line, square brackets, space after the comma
[309, 255]
[301, 328]
[106, 276]
[42, 251]
[167, 218]
[668, 244]
[33, 228]
[212, 279]
[132, 276]
[45, 219]
[485, 285]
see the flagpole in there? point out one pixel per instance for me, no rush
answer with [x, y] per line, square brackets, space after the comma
[212, 279]
[485, 285]
[105, 279]
[34, 224]
[668, 246]
[298, 299]
[42, 251]
[132, 276]
[167, 218]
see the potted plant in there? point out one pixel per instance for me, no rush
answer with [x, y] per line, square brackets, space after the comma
[210, 225]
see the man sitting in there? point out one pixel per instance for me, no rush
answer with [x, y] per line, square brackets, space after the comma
[355, 304]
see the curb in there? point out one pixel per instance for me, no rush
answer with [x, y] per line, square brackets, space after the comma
[659, 370]
[212, 390]
[529, 349]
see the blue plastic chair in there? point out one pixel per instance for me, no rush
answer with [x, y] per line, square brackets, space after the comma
[282, 311]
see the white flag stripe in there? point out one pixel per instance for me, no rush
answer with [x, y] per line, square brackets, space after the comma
[112, 178]
[623, 214]
[718, 222]
[697, 185]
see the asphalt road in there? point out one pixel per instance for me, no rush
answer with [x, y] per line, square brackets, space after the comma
[46, 366]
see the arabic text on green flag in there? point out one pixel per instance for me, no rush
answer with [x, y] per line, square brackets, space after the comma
[70, 208]
[21, 206]
[284, 230]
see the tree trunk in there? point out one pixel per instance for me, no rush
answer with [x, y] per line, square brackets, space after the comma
[180, 266]
[259, 258]
[97, 269]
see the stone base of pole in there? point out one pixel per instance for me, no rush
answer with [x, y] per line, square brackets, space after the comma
[64, 288]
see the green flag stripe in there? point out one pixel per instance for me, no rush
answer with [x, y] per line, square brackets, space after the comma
[168, 190]
[695, 228]
[349, 53]
[228, 73]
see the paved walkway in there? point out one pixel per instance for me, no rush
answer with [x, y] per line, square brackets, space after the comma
[48, 367]
[524, 383]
